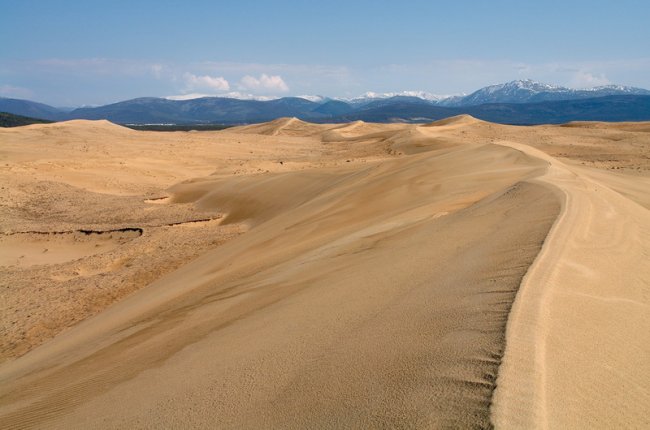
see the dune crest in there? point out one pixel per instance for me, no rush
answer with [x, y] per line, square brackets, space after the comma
[282, 127]
[574, 380]
[458, 120]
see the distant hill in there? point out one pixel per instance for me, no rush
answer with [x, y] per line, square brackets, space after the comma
[516, 102]
[334, 108]
[202, 110]
[31, 109]
[609, 108]
[399, 111]
[11, 120]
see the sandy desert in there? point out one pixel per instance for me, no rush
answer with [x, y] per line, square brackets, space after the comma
[457, 274]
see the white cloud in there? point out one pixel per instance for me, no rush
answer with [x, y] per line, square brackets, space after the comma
[583, 79]
[273, 83]
[95, 66]
[103, 80]
[12, 91]
[214, 83]
[231, 95]
[157, 70]
[449, 76]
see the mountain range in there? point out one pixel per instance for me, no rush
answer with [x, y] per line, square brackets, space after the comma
[516, 102]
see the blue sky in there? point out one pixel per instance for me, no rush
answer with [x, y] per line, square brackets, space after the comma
[70, 53]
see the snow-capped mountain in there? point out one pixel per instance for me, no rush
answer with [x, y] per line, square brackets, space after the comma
[371, 96]
[516, 102]
[618, 90]
[529, 91]
[521, 91]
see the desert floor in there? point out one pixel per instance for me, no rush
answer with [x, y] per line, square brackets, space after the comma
[459, 274]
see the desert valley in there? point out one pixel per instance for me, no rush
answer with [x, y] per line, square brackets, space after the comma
[454, 274]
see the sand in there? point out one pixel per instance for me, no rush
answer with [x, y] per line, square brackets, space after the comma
[458, 274]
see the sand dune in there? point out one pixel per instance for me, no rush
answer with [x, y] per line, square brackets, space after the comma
[283, 127]
[459, 274]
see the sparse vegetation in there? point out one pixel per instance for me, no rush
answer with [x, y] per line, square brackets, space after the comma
[11, 120]
[177, 127]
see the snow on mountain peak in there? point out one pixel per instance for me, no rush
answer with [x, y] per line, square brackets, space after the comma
[517, 91]
[524, 85]
[371, 95]
[316, 99]
[230, 95]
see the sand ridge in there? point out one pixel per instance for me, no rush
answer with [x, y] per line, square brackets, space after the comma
[569, 330]
[355, 275]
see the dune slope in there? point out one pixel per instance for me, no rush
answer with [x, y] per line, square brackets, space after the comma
[454, 275]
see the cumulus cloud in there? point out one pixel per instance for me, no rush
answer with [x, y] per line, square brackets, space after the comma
[214, 83]
[582, 79]
[273, 83]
